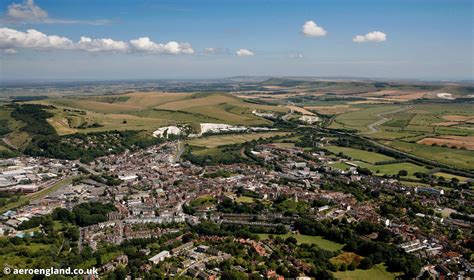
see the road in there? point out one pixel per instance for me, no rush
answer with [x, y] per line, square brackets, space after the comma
[382, 119]
[179, 151]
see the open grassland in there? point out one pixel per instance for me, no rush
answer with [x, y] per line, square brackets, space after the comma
[151, 110]
[307, 239]
[357, 154]
[215, 141]
[378, 272]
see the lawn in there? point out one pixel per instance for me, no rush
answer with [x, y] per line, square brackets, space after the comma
[369, 157]
[378, 272]
[307, 239]
[203, 201]
[340, 165]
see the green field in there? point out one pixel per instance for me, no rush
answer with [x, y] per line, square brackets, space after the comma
[392, 169]
[306, 239]
[219, 140]
[245, 199]
[454, 157]
[357, 154]
[378, 272]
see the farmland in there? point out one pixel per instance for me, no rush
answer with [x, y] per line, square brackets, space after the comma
[432, 131]
[356, 154]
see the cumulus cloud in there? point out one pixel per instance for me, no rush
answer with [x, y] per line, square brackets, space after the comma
[244, 52]
[29, 12]
[144, 44]
[311, 29]
[100, 45]
[11, 40]
[374, 36]
[32, 39]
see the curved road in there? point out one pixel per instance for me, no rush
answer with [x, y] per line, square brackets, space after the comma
[373, 126]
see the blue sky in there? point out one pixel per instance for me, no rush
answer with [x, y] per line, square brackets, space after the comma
[415, 39]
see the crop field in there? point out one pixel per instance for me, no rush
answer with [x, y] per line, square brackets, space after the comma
[357, 154]
[215, 141]
[450, 141]
[378, 272]
[307, 239]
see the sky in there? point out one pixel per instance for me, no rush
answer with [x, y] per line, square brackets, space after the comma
[183, 39]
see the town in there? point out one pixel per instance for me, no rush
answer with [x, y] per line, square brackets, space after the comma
[183, 219]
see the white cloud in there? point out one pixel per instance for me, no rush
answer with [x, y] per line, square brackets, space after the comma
[144, 44]
[32, 39]
[296, 55]
[11, 40]
[99, 45]
[29, 12]
[374, 36]
[311, 29]
[212, 51]
[244, 52]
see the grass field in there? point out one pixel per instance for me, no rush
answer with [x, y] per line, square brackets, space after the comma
[306, 239]
[366, 156]
[151, 110]
[392, 169]
[378, 272]
[245, 199]
[215, 141]
[448, 176]
[454, 157]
